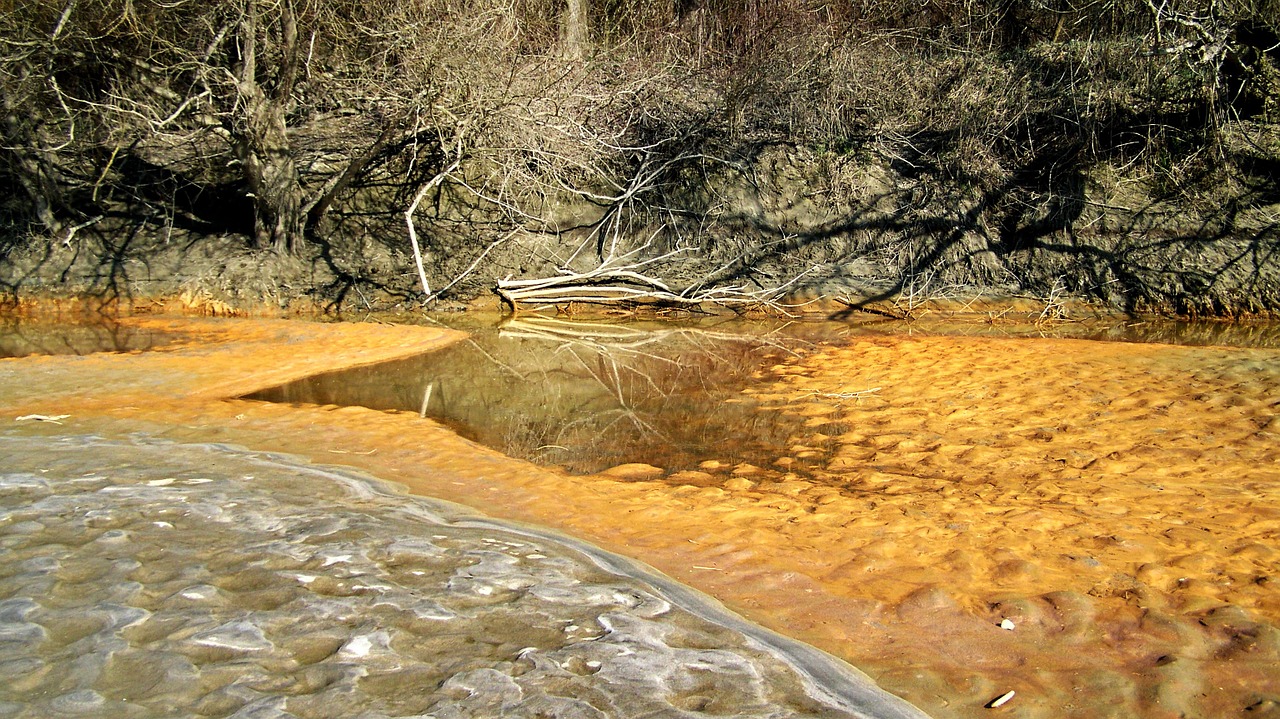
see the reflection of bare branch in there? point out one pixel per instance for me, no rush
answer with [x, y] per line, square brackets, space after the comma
[612, 337]
[593, 423]
[497, 362]
[627, 364]
[550, 328]
[426, 399]
[614, 383]
[640, 371]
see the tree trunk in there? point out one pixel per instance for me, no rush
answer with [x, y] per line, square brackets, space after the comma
[267, 162]
[39, 187]
[262, 144]
[576, 33]
[36, 177]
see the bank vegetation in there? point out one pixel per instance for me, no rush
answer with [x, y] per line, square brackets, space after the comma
[858, 154]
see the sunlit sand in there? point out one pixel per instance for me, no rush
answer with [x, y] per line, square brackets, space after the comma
[1114, 506]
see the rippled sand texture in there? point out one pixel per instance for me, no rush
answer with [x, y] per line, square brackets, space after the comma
[897, 534]
[1118, 503]
[184, 580]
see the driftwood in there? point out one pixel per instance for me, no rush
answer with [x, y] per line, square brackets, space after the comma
[622, 281]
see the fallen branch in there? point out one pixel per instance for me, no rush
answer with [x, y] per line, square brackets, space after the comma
[613, 282]
[845, 395]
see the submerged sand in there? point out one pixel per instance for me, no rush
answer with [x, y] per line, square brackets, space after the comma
[1116, 506]
[154, 579]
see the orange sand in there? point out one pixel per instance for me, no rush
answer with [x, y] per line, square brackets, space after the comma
[1119, 504]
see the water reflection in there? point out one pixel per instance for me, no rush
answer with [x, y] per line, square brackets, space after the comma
[21, 337]
[586, 396]
[589, 396]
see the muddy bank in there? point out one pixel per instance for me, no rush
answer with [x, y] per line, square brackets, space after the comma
[1114, 503]
[819, 235]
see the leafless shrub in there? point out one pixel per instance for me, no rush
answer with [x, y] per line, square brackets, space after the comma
[548, 138]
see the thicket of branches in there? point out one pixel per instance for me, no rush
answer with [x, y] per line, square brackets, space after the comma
[599, 125]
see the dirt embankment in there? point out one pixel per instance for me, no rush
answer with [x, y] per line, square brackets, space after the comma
[834, 237]
[881, 156]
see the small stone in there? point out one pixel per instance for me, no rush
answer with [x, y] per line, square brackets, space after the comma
[1006, 624]
[1076, 458]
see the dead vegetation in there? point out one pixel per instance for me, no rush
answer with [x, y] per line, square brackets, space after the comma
[709, 152]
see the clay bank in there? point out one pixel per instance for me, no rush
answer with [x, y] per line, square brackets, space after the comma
[1089, 525]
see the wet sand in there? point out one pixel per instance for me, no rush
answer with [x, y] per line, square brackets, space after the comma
[1117, 504]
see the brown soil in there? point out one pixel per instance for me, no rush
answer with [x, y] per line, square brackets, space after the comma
[1118, 504]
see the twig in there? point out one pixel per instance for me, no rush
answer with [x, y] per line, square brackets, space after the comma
[413, 207]
[471, 268]
[1054, 307]
[845, 395]
[71, 231]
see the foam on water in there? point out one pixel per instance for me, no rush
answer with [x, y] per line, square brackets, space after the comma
[151, 579]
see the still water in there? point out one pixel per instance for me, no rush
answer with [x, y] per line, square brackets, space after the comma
[589, 396]
[22, 337]
[585, 396]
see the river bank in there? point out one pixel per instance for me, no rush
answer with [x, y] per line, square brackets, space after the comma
[794, 233]
[1077, 490]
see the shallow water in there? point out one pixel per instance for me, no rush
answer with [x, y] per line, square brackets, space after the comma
[21, 337]
[200, 579]
[586, 396]
[589, 396]
[1117, 504]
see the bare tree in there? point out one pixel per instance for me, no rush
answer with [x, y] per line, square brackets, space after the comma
[216, 93]
[258, 129]
[560, 149]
